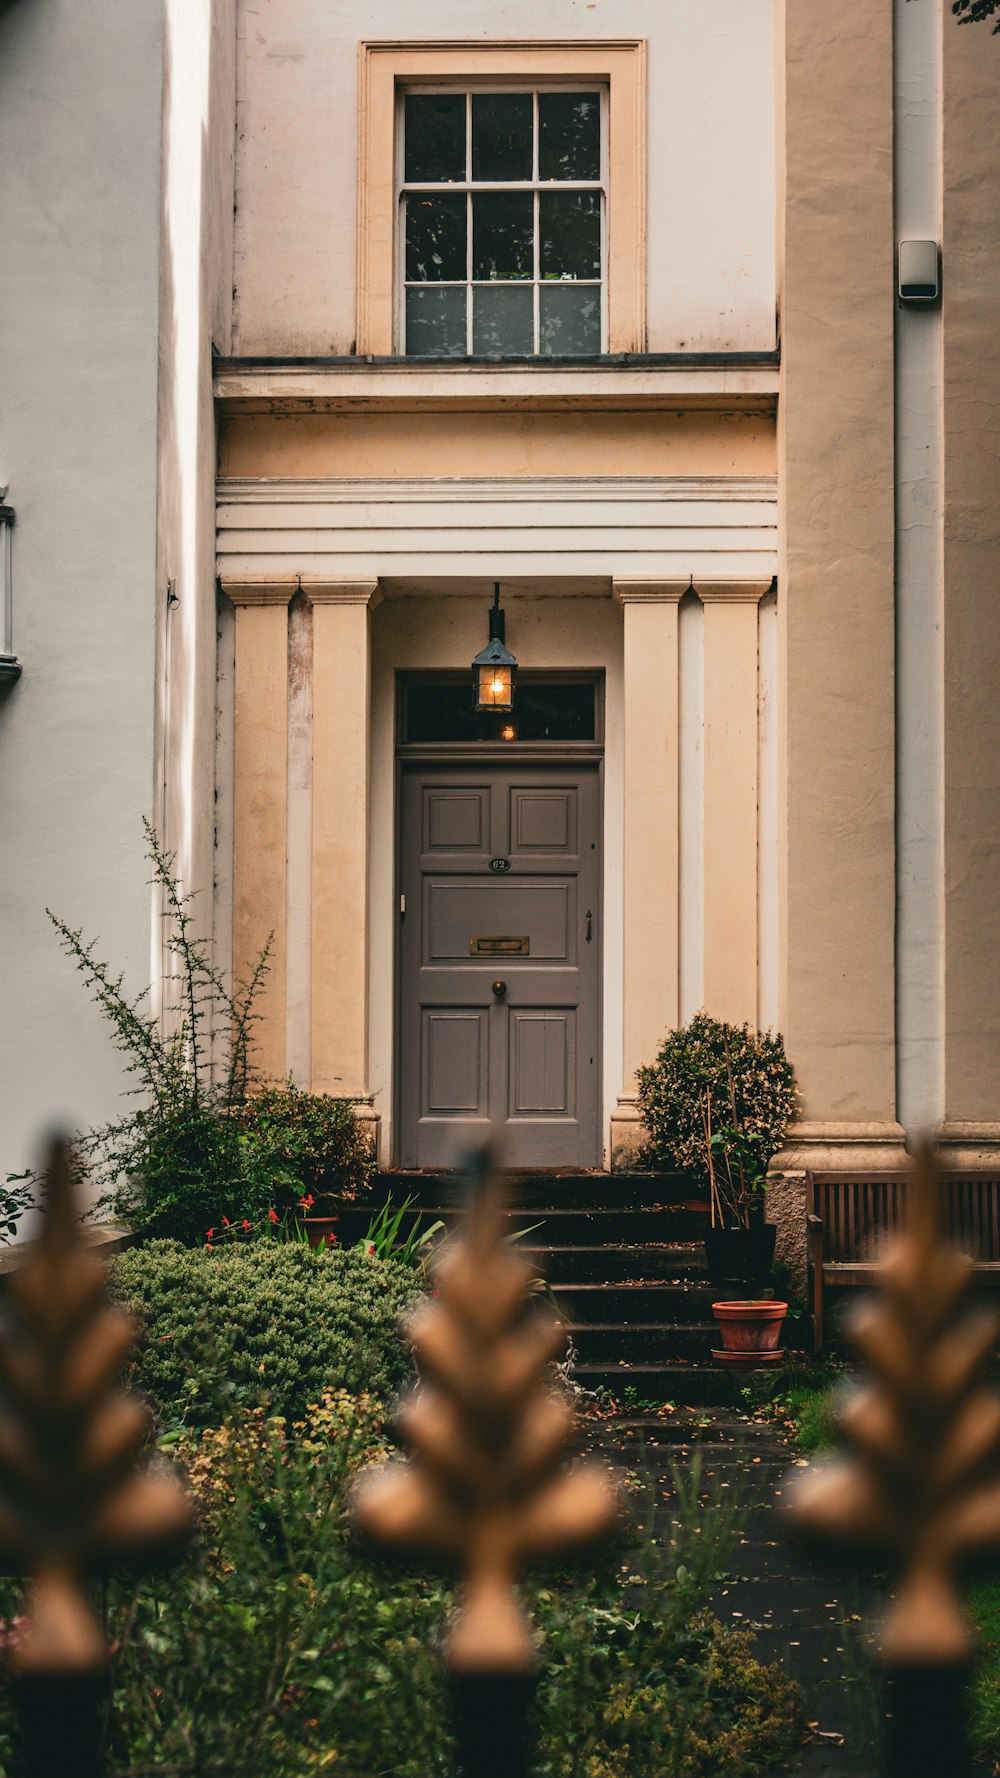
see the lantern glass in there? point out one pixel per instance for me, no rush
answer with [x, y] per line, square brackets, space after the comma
[494, 687]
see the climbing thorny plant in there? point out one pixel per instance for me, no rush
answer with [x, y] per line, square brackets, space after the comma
[180, 1159]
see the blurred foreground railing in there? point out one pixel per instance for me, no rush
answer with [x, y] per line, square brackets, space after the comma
[488, 1488]
[919, 1490]
[73, 1496]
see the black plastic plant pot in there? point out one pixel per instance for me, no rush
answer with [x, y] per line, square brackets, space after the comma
[742, 1257]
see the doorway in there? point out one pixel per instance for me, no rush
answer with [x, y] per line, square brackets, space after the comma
[499, 1021]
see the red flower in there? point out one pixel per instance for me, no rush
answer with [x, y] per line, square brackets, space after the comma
[209, 1233]
[225, 1222]
[307, 1203]
[273, 1216]
[246, 1225]
[331, 1239]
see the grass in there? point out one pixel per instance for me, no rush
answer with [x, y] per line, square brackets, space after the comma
[984, 1603]
[802, 1402]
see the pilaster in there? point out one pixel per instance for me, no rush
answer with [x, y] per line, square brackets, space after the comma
[340, 839]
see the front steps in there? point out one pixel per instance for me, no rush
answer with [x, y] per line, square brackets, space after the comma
[624, 1258]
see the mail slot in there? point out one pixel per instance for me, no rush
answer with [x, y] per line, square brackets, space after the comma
[499, 947]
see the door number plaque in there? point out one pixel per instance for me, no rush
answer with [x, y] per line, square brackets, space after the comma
[499, 864]
[499, 947]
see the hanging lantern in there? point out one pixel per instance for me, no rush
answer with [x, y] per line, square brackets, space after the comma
[494, 668]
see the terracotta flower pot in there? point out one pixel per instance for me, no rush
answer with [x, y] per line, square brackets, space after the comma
[321, 1230]
[750, 1332]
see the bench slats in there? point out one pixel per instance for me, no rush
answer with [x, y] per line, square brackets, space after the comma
[854, 1217]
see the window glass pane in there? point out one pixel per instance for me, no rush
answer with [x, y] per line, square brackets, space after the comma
[569, 136]
[569, 320]
[434, 136]
[435, 322]
[501, 135]
[503, 320]
[553, 711]
[502, 226]
[435, 237]
[570, 229]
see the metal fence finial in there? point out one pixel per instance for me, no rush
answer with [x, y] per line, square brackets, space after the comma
[487, 1487]
[920, 1486]
[71, 1497]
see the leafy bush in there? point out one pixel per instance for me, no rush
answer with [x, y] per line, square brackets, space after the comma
[716, 1103]
[170, 1164]
[262, 1322]
[309, 1144]
[208, 1139]
[275, 1649]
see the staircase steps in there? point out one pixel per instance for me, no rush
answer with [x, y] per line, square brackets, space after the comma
[624, 1259]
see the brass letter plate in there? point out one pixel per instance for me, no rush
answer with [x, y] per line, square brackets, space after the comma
[499, 947]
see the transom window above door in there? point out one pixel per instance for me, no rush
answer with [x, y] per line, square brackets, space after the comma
[502, 222]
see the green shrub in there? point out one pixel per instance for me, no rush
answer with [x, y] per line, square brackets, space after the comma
[716, 1103]
[274, 1648]
[261, 1322]
[308, 1144]
[208, 1140]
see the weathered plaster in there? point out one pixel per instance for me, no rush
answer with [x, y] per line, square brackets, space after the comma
[710, 159]
[501, 444]
[971, 258]
[835, 611]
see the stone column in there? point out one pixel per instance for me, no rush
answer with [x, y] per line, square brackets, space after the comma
[340, 780]
[649, 984]
[260, 789]
[837, 891]
[730, 817]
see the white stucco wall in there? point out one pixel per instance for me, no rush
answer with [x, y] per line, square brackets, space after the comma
[80, 94]
[710, 157]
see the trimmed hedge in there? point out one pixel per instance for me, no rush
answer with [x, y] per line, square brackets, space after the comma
[261, 1323]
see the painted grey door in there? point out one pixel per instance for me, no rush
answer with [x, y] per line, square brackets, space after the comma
[499, 979]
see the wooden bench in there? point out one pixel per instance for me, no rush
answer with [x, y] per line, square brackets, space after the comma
[853, 1218]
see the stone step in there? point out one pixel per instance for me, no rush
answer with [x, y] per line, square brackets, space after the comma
[656, 1341]
[639, 1262]
[556, 1226]
[635, 1305]
[528, 1190]
[690, 1384]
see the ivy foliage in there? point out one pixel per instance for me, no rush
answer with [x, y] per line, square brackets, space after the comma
[973, 12]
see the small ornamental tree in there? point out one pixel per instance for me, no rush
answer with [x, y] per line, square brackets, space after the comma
[716, 1103]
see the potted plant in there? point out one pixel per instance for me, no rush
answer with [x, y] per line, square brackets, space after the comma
[716, 1103]
[316, 1151]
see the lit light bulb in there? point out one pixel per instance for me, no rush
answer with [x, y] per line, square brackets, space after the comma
[507, 733]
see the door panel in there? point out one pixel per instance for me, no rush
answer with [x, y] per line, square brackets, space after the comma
[455, 1062]
[542, 1063]
[543, 820]
[524, 1060]
[458, 912]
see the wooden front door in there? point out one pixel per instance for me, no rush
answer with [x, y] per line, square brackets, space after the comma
[499, 980]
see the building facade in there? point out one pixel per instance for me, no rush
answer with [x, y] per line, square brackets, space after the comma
[605, 317]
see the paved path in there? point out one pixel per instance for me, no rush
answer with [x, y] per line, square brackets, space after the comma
[797, 1613]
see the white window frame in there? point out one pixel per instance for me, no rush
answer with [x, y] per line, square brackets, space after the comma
[469, 186]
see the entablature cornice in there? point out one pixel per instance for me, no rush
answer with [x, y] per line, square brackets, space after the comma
[725, 382]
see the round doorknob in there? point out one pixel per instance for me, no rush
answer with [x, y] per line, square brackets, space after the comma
[499, 989]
